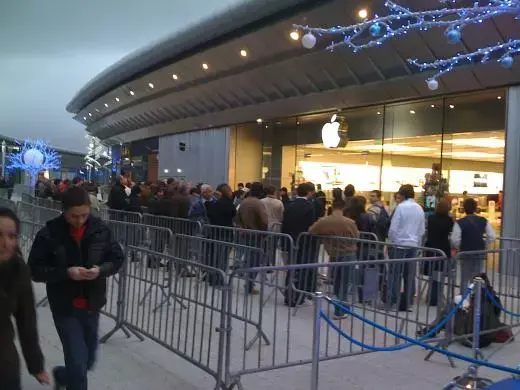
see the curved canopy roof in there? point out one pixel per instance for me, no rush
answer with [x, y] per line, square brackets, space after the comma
[244, 18]
[199, 79]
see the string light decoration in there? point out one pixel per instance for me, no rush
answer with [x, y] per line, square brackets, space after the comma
[33, 156]
[98, 155]
[400, 21]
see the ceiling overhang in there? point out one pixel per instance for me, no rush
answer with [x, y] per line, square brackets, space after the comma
[279, 78]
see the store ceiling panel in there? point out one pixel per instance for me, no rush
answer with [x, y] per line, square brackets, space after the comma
[278, 78]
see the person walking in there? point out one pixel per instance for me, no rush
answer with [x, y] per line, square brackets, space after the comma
[472, 233]
[73, 255]
[406, 233]
[440, 226]
[16, 301]
[337, 225]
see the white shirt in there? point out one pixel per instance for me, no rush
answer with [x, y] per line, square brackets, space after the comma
[456, 235]
[408, 224]
[274, 208]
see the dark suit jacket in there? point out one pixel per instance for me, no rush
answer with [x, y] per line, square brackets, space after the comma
[298, 217]
[176, 207]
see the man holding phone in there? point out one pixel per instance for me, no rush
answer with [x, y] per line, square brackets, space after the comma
[74, 254]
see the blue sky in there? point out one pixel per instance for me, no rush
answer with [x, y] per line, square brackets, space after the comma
[50, 49]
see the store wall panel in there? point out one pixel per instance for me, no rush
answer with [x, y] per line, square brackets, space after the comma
[205, 158]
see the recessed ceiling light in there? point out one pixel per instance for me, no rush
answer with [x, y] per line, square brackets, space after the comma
[97, 109]
[363, 13]
[499, 97]
[132, 93]
[106, 105]
[259, 120]
[243, 53]
[175, 77]
[412, 112]
[89, 114]
[452, 106]
[166, 171]
[117, 99]
[205, 66]
[84, 118]
[432, 106]
[151, 85]
[295, 35]
[379, 113]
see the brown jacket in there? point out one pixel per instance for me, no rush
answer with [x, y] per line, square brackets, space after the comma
[339, 226]
[252, 214]
[17, 301]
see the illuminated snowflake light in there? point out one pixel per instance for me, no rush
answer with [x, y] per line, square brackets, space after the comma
[452, 17]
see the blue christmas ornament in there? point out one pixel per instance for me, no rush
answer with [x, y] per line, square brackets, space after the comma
[375, 30]
[507, 61]
[453, 36]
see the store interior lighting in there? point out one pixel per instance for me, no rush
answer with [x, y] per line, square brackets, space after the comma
[392, 148]
[492, 142]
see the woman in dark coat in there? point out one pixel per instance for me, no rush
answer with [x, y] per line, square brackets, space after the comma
[440, 226]
[17, 301]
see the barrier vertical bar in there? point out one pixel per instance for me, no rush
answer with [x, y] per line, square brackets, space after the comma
[316, 341]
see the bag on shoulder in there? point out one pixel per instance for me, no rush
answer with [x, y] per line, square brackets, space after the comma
[382, 224]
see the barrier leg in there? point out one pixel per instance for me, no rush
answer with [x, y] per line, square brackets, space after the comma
[316, 341]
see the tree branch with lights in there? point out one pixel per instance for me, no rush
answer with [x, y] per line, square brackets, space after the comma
[34, 156]
[401, 21]
[98, 155]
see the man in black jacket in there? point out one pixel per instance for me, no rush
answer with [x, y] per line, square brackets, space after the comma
[299, 215]
[74, 254]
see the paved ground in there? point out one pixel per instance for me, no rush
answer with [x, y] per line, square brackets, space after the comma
[133, 365]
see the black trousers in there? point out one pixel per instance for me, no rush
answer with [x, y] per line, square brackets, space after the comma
[11, 383]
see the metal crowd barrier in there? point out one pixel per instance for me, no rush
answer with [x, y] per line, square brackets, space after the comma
[108, 214]
[176, 225]
[4, 202]
[31, 212]
[190, 290]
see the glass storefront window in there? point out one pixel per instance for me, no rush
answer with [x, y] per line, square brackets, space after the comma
[450, 147]
[473, 152]
[357, 159]
[412, 150]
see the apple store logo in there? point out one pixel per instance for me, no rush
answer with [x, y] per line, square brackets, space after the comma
[332, 134]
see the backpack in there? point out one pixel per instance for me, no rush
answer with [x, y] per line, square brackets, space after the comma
[382, 225]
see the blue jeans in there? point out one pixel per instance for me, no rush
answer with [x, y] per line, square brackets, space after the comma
[402, 271]
[343, 279]
[78, 332]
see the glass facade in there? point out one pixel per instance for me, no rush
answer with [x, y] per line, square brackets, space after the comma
[448, 146]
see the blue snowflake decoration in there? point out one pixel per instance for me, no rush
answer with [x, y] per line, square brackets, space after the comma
[34, 156]
[451, 17]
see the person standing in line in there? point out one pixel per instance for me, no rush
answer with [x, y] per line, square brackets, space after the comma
[274, 208]
[337, 225]
[470, 234]
[440, 226]
[407, 228]
[73, 255]
[299, 216]
[284, 196]
[221, 213]
[252, 215]
[16, 301]
[198, 211]
[319, 206]
[348, 194]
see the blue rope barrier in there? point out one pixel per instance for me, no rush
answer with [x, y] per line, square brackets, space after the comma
[410, 340]
[430, 333]
[497, 304]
